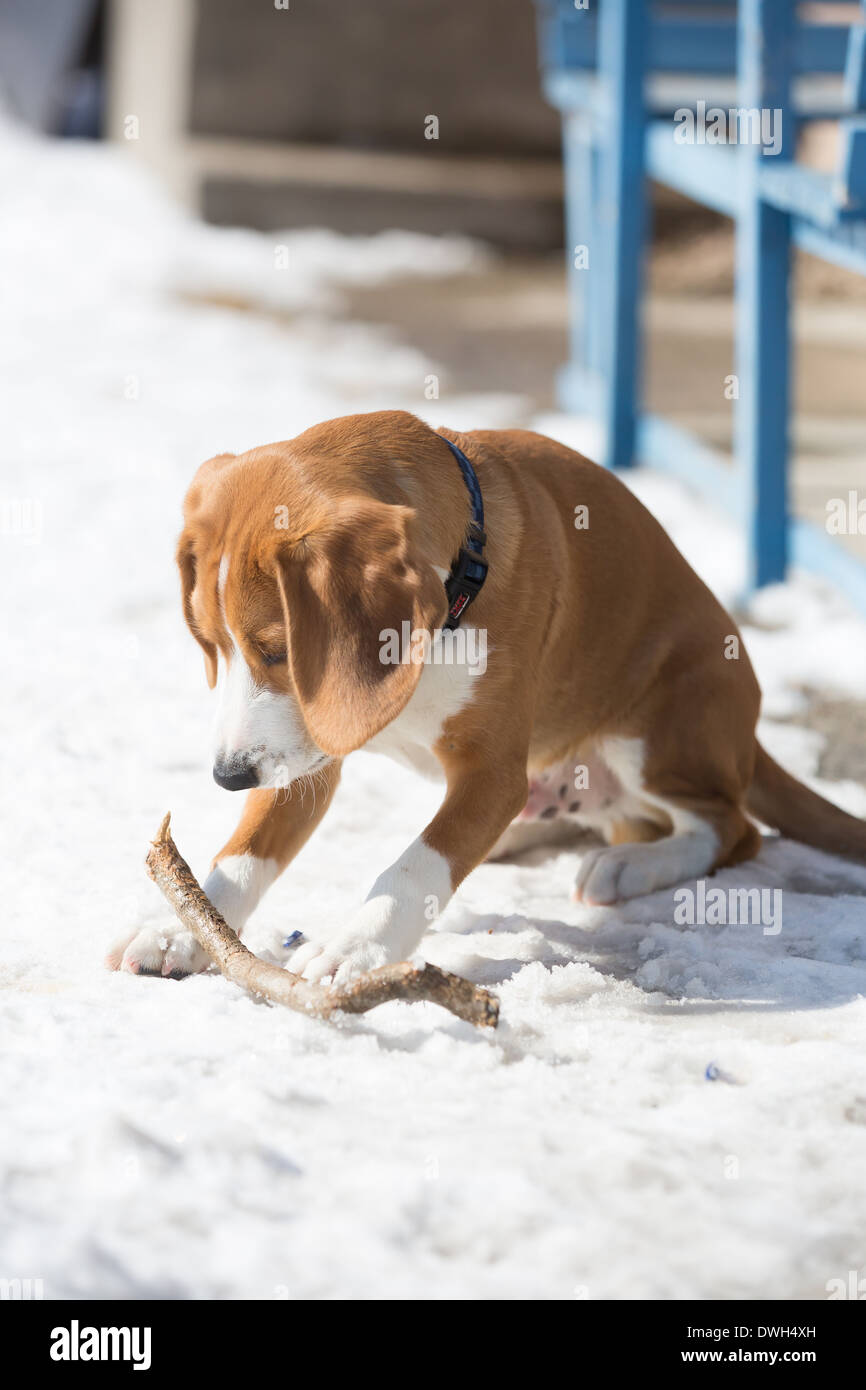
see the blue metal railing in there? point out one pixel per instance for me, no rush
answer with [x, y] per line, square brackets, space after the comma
[618, 71]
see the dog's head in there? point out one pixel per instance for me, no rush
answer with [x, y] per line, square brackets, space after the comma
[294, 560]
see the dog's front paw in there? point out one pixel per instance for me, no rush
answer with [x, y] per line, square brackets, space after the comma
[387, 928]
[343, 957]
[170, 951]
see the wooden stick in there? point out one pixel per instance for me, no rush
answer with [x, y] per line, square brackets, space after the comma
[173, 876]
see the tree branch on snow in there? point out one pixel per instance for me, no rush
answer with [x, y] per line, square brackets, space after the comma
[173, 876]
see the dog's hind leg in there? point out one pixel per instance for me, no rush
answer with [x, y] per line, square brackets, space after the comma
[696, 845]
[524, 835]
[635, 830]
[707, 830]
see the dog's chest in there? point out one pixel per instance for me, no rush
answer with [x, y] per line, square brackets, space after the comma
[442, 691]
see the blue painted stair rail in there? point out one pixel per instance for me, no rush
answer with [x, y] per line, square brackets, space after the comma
[618, 71]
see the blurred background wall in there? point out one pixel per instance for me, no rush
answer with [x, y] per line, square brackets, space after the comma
[318, 114]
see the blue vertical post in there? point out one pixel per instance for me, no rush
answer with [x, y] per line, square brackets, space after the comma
[765, 43]
[620, 219]
[855, 64]
[579, 160]
[852, 130]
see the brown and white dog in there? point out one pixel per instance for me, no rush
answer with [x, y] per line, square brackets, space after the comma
[614, 696]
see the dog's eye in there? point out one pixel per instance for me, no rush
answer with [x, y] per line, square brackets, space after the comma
[273, 658]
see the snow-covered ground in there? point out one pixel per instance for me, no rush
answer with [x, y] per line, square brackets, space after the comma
[180, 1140]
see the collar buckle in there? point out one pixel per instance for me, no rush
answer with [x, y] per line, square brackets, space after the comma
[463, 584]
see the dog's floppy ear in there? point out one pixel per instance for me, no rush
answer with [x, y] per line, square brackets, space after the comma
[186, 563]
[196, 502]
[345, 589]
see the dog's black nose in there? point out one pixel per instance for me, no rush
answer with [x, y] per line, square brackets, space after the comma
[236, 781]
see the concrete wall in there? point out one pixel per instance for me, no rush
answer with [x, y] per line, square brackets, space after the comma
[316, 115]
[365, 73]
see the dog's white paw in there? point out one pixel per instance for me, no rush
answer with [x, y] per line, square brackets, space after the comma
[385, 929]
[612, 875]
[609, 876]
[170, 951]
[342, 958]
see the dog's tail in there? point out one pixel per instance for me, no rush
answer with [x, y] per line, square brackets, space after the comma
[778, 799]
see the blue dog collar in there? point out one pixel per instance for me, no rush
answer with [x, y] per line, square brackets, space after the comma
[469, 570]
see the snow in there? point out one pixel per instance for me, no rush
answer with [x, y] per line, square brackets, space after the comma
[180, 1140]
